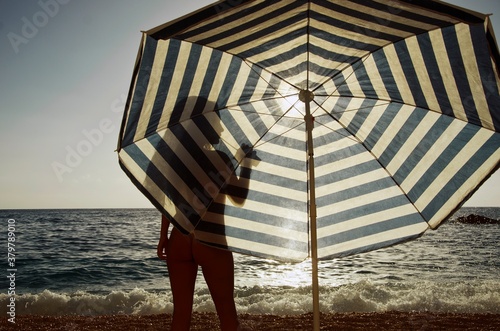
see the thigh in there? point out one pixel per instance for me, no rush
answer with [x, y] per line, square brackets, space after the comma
[217, 266]
[218, 269]
[179, 248]
[182, 268]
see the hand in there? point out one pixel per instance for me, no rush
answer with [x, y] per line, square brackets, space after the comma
[161, 249]
[250, 154]
[247, 150]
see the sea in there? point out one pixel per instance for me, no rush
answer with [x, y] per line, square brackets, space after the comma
[103, 261]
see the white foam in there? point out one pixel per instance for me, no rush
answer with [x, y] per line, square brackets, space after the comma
[365, 296]
[136, 301]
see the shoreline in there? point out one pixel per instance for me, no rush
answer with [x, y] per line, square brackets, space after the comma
[392, 320]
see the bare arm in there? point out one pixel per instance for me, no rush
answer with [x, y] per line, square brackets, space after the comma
[237, 188]
[161, 249]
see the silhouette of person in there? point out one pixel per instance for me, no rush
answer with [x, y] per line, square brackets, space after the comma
[184, 253]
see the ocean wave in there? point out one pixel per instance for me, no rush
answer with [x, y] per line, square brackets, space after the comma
[137, 301]
[365, 296]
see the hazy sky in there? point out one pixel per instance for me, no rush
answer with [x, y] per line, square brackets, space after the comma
[65, 69]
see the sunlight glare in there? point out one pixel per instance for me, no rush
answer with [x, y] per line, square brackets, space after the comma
[292, 106]
[294, 275]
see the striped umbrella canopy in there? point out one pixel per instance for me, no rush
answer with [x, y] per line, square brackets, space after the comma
[296, 129]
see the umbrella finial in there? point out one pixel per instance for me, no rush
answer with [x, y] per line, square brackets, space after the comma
[306, 96]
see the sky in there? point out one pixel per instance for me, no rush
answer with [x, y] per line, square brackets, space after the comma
[65, 70]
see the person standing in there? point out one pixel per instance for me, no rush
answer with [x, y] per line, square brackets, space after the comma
[184, 253]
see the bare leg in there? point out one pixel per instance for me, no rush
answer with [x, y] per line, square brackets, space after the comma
[182, 271]
[218, 269]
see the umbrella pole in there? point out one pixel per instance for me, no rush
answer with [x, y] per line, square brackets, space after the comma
[314, 248]
[307, 97]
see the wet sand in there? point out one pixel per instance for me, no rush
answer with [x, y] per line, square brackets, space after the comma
[209, 321]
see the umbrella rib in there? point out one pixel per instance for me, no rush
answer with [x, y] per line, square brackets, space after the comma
[239, 162]
[389, 101]
[267, 141]
[389, 42]
[363, 59]
[354, 138]
[269, 129]
[159, 128]
[252, 66]
[351, 136]
[244, 60]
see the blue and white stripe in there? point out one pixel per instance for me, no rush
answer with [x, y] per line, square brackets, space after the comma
[406, 108]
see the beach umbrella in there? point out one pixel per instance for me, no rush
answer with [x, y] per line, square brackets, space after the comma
[348, 125]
